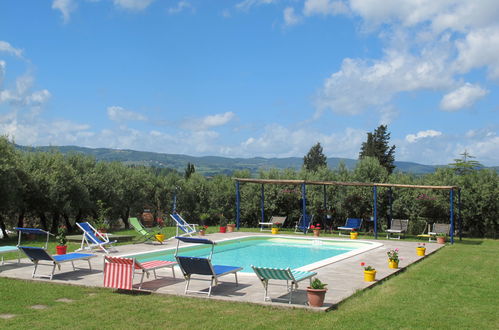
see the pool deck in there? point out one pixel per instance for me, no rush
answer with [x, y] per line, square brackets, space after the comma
[344, 277]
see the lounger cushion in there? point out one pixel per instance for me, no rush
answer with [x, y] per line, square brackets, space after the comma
[221, 270]
[301, 275]
[72, 256]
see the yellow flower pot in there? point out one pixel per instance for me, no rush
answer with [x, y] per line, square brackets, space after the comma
[393, 264]
[369, 275]
[354, 235]
[275, 231]
[420, 251]
[160, 237]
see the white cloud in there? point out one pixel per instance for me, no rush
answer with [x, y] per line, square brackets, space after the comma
[290, 18]
[248, 4]
[463, 97]
[324, 7]
[119, 114]
[411, 138]
[479, 49]
[8, 48]
[65, 7]
[361, 84]
[202, 124]
[133, 4]
[181, 6]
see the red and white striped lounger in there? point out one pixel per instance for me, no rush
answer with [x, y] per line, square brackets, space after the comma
[119, 272]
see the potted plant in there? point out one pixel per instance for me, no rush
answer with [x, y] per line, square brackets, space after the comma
[393, 258]
[421, 249]
[223, 223]
[61, 246]
[202, 230]
[160, 237]
[275, 228]
[316, 293]
[369, 273]
[231, 226]
[317, 229]
[441, 238]
[354, 233]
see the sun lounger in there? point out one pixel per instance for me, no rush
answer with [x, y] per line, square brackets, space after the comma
[37, 254]
[439, 228]
[92, 238]
[303, 224]
[275, 220]
[187, 228]
[202, 266]
[350, 225]
[119, 272]
[32, 231]
[145, 234]
[292, 277]
[397, 227]
[7, 249]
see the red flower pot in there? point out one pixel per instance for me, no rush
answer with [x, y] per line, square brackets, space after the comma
[223, 229]
[61, 249]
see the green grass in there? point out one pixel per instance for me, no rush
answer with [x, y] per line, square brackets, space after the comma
[456, 287]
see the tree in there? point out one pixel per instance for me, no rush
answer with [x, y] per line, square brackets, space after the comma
[189, 170]
[465, 165]
[315, 159]
[377, 146]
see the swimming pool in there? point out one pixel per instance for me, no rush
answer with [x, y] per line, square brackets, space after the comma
[269, 251]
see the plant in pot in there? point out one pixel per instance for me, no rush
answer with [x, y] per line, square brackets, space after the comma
[223, 223]
[393, 258]
[160, 237]
[369, 273]
[61, 247]
[231, 226]
[354, 234]
[441, 238]
[421, 249]
[316, 293]
[202, 230]
[316, 229]
[275, 228]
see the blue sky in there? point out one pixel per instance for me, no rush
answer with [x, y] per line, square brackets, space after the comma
[247, 78]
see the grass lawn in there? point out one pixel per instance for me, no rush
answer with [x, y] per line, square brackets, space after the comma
[456, 287]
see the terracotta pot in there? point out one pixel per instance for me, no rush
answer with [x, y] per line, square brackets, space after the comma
[61, 249]
[316, 297]
[231, 227]
[147, 218]
[202, 232]
[317, 232]
[223, 229]
[441, 239]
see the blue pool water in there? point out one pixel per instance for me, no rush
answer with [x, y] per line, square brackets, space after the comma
[263, 252]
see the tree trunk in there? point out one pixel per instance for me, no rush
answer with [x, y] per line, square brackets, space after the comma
[67, 222]
[20, 219]
[2, 227]
[55, 222]
[43, 220]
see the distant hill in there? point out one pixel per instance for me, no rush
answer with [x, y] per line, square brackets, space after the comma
[212, 165]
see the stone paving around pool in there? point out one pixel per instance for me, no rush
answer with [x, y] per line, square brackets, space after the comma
[344, 277]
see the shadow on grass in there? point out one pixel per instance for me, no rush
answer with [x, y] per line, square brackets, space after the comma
[468, 241]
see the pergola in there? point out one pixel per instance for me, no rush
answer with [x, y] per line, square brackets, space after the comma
[304, 183]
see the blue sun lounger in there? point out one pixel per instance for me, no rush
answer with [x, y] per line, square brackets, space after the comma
[350, 225]
[303, 224]
[202, 266]
[32, 231]
[187, 228]
[7, 249]
[93, 239]
[37, 254]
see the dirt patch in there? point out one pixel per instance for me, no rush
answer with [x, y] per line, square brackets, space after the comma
[7, 316]
[65, 300]
[38, 307]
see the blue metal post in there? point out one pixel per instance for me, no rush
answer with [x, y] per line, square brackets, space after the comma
[304, 206]
[175, 200]
[459, 214]
[452, 216]
[238, 205]
[325, 207]
[375, 211]
[390, 202]
[262, 203]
